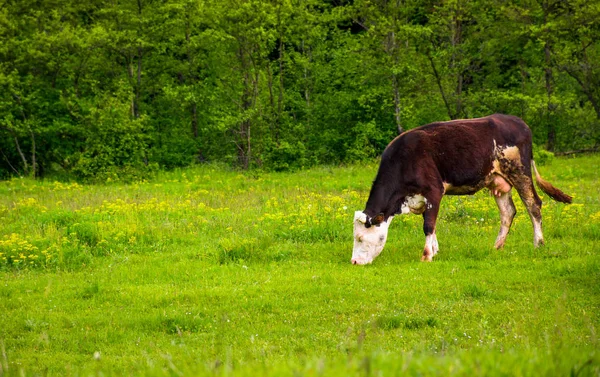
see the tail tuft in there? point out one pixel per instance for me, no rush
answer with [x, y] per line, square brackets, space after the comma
[550, 190]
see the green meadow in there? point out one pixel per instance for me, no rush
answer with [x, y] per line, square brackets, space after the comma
[209, 271]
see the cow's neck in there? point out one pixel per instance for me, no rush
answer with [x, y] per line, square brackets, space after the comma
[383, 198]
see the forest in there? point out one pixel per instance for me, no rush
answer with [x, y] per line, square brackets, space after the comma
[116, 90]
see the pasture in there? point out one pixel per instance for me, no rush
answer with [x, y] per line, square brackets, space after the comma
[208, 271]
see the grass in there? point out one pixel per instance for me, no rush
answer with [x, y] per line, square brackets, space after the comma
[208, 271]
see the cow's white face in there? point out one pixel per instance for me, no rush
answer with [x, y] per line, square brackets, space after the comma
[368, 242]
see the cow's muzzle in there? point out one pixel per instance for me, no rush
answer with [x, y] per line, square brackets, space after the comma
[358, 261]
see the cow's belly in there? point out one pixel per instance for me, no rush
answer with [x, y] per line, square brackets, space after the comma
[450, 189]
[496, 183]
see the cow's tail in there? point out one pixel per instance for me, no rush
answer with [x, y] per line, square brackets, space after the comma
[550, 190]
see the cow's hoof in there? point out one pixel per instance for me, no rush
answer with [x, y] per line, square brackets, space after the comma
[426, 258]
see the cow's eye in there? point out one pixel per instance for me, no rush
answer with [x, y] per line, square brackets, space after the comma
[381, 238]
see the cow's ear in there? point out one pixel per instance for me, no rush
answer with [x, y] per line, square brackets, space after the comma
[377, 219]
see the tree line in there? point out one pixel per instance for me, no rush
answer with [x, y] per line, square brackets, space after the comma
[119, 88]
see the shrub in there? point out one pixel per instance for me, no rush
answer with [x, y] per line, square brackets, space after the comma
[18, 252]
[116, 144]
[542, 156]
[287, 156]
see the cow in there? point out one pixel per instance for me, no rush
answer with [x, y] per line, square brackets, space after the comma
[458, 157]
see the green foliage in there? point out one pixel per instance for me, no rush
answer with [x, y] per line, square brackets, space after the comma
[542, 156]
[111, 91]
[365, 142]
[116, 148]
[286, 156]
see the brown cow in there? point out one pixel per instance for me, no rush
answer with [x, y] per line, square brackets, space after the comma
[458, 157]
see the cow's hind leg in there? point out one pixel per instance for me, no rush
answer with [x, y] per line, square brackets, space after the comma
[507, 214]
[524, 185]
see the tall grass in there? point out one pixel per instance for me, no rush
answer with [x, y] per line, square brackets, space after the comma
[210, 271]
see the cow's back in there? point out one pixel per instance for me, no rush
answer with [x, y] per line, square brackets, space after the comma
[461, 151]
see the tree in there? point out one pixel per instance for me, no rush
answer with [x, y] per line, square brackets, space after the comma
[577, 50]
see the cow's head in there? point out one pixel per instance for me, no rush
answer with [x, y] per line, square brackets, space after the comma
[370, 235]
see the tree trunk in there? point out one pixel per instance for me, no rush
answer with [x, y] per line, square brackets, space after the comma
[138, 86]
[138, 81]
[280, 97]
[281, 94]
[397, 108]
[25, 121]
[23, 158]
[454, 64]
[548, 78]
[33, 160]
[306, 76]
[551, 128]
[194, 120]
[9, 164]
[586, 90]
[129, 62]
[392, 50]
[523, 81]
[438, 80]
[248, 147]
[244, 145]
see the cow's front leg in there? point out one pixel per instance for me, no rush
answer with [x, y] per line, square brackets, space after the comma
[431, 247]
[429, 219]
